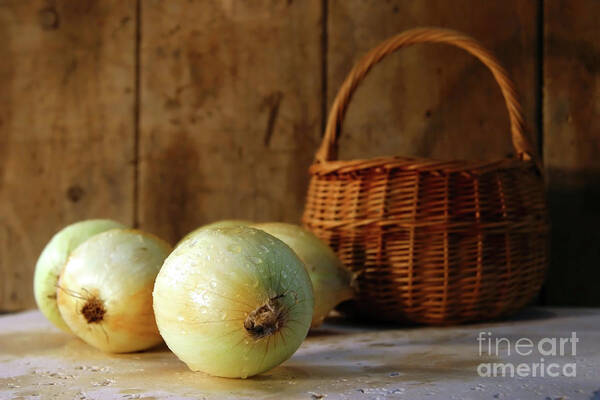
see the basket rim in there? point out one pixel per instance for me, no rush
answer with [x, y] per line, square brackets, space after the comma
[421, 164]
[530, 224]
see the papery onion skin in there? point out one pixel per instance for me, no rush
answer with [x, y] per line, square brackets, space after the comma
[53, 259]
[212, 285]
[330, 280]
[105, 290]
[226, 223]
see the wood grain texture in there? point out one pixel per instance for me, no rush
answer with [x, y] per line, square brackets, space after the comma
[571, 148]
[66, 126]
[230, 111]
[431, 100]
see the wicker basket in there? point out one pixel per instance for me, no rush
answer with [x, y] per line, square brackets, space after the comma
[436, 242]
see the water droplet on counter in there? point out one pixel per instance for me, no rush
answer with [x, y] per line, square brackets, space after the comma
[223, 315]
[180, 318]
[213, 284]
[204, 310]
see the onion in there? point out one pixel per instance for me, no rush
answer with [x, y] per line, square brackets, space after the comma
[331, 282]
[105, 290]
[53, 259]
[233, 302]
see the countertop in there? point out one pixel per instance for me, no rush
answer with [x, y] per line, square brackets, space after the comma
[340, 360]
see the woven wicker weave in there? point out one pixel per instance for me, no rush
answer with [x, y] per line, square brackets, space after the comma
[431, 241]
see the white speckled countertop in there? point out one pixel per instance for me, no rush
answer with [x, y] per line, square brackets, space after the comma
[338, 361]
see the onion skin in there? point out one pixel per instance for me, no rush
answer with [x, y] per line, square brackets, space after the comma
[331, 282]
[54, 257]
[210, 290]
[105, 290]
[226, 223]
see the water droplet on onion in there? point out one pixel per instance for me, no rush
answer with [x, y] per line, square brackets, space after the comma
[234, 248]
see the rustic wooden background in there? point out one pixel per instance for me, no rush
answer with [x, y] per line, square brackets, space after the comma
[170, 114]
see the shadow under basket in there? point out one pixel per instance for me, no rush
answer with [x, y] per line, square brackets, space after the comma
[429, 241]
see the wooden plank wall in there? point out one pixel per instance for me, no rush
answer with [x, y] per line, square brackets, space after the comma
[230, 111]
[169, 114]
[572, 149]
[67, 88]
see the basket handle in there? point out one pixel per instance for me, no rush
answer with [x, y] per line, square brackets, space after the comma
[328, 149]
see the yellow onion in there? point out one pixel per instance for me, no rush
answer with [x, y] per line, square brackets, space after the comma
[53, 259]
[233, 302]
[105, 290]
[331, 282]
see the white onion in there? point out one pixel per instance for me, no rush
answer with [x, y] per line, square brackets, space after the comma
[331, 282]
[233, 302]
[105, 290]
[53, 259]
